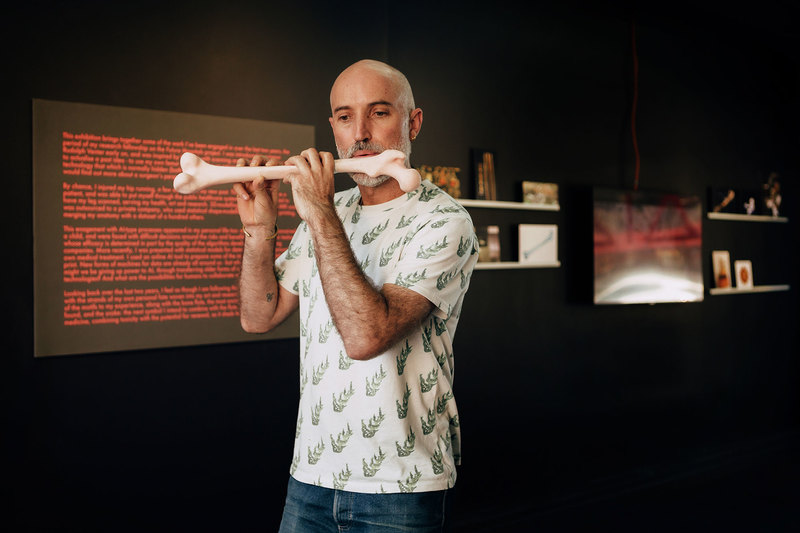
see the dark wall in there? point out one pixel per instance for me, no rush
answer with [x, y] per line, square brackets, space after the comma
[556, 395]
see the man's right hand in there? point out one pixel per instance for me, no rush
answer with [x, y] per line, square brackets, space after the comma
[257, 201]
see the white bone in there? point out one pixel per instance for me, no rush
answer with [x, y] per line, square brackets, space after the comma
[198, 175]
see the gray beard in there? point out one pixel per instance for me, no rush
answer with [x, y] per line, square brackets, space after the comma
[404, 145]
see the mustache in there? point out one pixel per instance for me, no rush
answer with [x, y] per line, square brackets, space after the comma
[363, 145]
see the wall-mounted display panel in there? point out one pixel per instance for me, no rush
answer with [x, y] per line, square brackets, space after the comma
[121, 260]
[647, 247]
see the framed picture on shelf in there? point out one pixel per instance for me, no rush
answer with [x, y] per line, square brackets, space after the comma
[489, 243]
[539, 192]
[538, 244]
[721, 261]
[483, 174]
[744, 274]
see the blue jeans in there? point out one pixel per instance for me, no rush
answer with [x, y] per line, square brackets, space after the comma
[312, 509]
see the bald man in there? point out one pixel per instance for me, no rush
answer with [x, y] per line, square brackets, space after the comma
[378, 277]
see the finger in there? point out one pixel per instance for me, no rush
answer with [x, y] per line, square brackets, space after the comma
[241, 162]
[258, 160]
[327, 159]
[240, 191]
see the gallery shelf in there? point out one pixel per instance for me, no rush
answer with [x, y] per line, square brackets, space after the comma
[495, 204]
[503, 265]
[756, 288]
[746, 218]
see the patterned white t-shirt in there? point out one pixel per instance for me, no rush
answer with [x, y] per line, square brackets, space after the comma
[388, 424]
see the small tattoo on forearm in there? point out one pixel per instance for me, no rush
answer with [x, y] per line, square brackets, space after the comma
[270, 296]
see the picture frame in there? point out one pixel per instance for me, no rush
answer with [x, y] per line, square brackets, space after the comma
[540, 193]
[538, 244]
[744, 273]
[721, 262]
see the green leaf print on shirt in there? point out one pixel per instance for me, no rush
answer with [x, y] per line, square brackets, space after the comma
[429, 194]
[445, 278]
[441, 402]
[374, 233]
[430, 251]
[353, 199]
[439, 223]
[368, 429]
[402, 358]
[316, 410]
[344, 361]
[427, 384]
[463, 246]
[426, 338]
[341, 479]
[341, 402]
[374, 383]
[410, 483]
[325, 331]
[315, 453]
[293, 252]
[319, 372]
[404, 222]
[410, 279]
[388, 252]
[436, 461]
[430, 424]
[407, 448]
[338, 444]
[374, 464]
[402, 408]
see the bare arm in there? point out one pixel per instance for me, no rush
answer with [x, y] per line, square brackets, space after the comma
[263, 303]
[369, 319]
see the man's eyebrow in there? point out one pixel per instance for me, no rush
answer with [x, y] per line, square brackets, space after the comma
[371, 104]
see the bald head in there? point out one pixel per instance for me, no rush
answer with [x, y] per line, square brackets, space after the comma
[369, 70]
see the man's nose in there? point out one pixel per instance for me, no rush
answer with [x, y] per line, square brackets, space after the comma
[362, 131]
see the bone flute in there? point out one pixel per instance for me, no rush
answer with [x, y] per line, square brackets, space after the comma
[198, 175]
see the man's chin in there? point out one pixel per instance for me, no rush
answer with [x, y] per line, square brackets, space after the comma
[367, 181]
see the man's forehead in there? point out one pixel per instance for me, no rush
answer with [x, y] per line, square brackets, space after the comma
[363, 87]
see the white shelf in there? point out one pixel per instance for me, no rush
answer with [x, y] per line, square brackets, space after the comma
[746, 218]
[757, 288]
[493, 204]
[502, 265]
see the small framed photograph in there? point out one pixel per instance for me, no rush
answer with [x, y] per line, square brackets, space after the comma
[744, 274]
[538, 244]
[721, 261]
[539, 192]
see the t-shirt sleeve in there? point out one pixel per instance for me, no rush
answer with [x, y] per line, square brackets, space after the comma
[288, 265]
[438, 262]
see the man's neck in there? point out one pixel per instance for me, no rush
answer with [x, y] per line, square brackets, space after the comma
[385, 192]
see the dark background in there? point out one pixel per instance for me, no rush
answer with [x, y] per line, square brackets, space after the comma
[566, 407]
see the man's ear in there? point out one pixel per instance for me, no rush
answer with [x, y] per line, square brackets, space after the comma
[414, 123]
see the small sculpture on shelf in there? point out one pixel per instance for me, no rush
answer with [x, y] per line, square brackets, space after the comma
[446, 178]
[772, 195]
